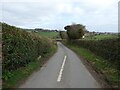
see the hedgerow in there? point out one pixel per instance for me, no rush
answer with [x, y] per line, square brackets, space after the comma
[108, 49]
[20, 47]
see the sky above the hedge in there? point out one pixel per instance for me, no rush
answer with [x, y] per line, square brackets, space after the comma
[96, 15]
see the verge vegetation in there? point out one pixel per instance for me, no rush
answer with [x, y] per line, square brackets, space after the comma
[21, 50]
[99, 60]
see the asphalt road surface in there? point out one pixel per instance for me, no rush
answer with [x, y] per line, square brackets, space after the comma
[63, 70]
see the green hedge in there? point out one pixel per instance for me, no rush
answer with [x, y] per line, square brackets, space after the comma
[108, 49]
[20, 47]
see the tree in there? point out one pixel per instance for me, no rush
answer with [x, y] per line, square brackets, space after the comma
[63, 34]
[75, 31]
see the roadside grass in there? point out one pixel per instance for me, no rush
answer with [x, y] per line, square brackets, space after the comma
[101, 37]
[99, 64]
[21, 74]
[48, 34]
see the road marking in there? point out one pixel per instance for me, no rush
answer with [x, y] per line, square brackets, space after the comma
[61, 70]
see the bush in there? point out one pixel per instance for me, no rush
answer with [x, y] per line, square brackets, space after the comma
[20, 47]
[108, 49]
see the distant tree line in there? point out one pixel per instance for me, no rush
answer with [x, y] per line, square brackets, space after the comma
[44, 30]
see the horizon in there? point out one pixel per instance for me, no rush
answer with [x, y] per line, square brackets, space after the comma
[54, 29]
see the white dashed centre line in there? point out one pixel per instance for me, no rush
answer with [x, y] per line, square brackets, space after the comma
[61, 70]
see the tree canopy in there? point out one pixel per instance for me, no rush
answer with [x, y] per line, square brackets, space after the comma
[63, 35]
[75, 31]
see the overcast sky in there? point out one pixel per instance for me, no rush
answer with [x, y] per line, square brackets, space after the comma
[96, 15]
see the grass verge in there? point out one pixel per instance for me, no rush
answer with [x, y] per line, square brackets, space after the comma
[21, 74]
[98, 63]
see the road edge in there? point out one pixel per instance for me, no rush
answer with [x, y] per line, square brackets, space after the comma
[97, 75]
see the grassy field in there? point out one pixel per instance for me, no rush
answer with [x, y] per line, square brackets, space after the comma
[48, 34]
[101, 37]
[100, 64]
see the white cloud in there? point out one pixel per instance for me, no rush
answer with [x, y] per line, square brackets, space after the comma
[58, 13]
